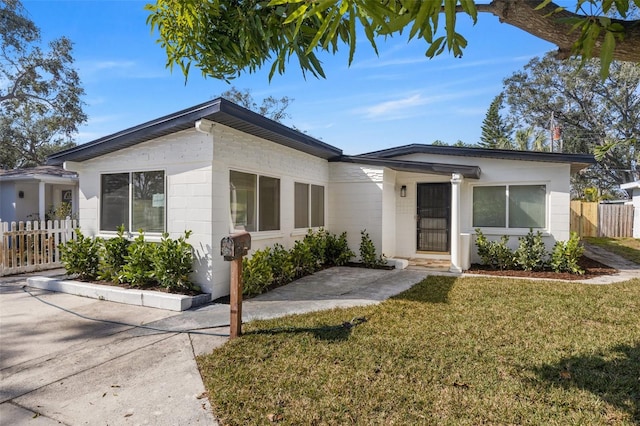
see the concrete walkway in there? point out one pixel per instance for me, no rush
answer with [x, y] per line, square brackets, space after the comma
[626, 269]
[76, 361]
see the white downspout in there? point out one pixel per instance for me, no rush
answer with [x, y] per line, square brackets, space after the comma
[41, 200]
[456, 180]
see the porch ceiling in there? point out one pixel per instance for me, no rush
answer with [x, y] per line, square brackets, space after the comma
[469, 172]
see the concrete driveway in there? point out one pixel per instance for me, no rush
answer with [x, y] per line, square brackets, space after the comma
[58, 365]
[59, 368]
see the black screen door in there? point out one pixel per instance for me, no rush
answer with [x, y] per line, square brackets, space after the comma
[434, 217]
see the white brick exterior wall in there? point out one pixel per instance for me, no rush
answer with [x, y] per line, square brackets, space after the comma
[186, 159]
[355, 196]
[367, 197]
[197, 168]
[234, 150]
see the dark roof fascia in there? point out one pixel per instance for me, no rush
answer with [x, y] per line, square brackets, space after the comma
[220, 111]
[470, 172]
[266, 128]
[503, 154]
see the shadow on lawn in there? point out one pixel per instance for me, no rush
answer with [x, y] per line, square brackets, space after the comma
[433, 289]
[330, 333]
[613, 375]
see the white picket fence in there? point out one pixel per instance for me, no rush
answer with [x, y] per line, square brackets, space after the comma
[33, 246]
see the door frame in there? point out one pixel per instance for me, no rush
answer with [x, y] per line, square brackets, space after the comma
[446, 204]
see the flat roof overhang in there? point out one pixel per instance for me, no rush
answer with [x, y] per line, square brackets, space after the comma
[469, 172]
[219, 111]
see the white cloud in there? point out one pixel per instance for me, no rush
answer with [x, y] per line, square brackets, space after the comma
[128, 69]
[411, 105]
[393, 108]
[100, 66]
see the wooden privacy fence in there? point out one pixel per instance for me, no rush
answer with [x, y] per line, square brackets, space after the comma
[33, 246]
[615, 220]
[601, 220]
[584, 218]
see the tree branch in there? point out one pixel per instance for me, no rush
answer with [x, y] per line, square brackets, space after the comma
[546, 24]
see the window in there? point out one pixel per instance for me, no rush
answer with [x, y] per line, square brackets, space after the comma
[308, 205]
[254, 202]
[135, 200]
[301, 207]
[317, 205]
[510, 206]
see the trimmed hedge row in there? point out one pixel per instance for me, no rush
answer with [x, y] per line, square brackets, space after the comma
[531, 254]
[138, 263]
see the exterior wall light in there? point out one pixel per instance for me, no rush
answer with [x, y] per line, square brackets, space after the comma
[403, 191]
[20, 194]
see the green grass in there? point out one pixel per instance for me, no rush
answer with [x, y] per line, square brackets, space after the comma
[448, 351]
[629, 248]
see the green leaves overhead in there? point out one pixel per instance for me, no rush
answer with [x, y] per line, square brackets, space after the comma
[225, 38]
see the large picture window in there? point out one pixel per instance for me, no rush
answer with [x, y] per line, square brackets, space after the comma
[308, 205]
[510, 206]
[135, 200]
[254, 201]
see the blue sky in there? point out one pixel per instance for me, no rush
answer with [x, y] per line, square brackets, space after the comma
[396, 98]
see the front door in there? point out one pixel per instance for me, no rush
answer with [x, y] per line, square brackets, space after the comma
[434, 217]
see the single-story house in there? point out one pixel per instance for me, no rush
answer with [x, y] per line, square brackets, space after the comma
[217, 167]
[29, 194]
[633, 188]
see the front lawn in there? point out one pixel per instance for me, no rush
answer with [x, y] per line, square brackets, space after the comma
[448, 351]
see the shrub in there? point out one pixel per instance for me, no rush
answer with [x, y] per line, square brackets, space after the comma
[302, 259]
[173, 262]
[565, 255]
[337, 251]
[368, 252]
[81, 256]
[531, 254]
[114, 251]
[282, 268]
[256, 273]
[493, 253]
[138, 270]
[60, 212]
[317, 242]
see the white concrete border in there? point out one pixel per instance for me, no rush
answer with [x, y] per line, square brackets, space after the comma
[148, 298]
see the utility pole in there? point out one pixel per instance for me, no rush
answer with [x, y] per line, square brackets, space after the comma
[551, 130]
[555, 133]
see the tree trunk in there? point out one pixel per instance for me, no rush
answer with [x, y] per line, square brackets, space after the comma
[547, 25]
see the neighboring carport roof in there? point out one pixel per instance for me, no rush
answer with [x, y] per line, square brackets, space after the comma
[577, 161]
[218, 110]
[38, 173]
[471, 172]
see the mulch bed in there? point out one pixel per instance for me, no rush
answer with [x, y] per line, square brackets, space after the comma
[592, 269]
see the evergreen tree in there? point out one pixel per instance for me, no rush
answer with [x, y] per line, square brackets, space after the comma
[496, 132]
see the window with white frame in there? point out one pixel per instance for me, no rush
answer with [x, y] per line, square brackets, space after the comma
[134, 199]
[254, 201]
[308, 205]
[510, 206]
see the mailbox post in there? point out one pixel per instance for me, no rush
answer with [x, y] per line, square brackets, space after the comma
[233, 248]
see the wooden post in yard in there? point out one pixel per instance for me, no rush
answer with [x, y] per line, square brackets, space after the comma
[233, 248]
[235, 328]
